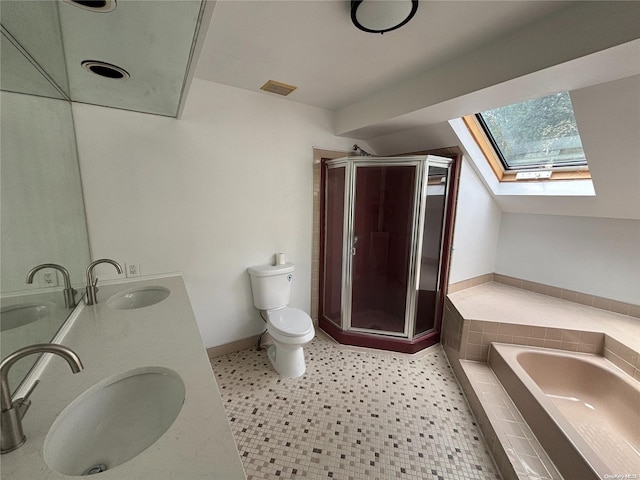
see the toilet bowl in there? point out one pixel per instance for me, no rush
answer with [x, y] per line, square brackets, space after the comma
[290, 329]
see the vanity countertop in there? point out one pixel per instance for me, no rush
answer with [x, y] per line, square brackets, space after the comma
[198, 445]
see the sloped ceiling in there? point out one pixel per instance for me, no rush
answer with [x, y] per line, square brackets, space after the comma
[582, 45]
[607, 116]
[397, 91]
[430, 70]
[313, 44]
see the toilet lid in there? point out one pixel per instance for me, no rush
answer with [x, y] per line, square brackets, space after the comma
[290, 321]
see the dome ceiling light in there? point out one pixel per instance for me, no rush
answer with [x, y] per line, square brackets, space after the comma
[380, 16]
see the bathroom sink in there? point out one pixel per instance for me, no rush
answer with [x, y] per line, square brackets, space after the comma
[138, 298]
[14, 316]
[114, 421]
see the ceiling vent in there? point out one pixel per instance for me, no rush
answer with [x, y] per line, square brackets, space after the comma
[278, 88]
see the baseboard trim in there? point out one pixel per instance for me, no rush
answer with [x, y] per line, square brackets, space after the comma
[471, 282]
[232, 347]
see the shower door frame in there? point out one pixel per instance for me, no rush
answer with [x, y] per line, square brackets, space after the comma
[421, 164]
[444, 250]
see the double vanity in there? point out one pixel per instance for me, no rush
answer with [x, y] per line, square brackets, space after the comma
[145, 405]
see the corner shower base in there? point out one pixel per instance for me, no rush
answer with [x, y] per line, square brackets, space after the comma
[379, 341]
[378, 320]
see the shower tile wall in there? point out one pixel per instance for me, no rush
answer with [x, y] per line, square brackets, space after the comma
[355, 414]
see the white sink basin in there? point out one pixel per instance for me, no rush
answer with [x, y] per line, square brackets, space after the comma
[14, 316]
[114, 421]
[138, 298]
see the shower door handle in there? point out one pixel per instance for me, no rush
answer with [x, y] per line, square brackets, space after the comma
[353, 245]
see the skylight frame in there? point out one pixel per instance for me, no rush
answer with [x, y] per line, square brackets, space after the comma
[563, 170]
[502, 175]
[509, 187]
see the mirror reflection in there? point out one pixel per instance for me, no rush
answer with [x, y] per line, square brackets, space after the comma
[42, 211]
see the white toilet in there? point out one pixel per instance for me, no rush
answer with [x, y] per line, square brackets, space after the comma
[290, 328]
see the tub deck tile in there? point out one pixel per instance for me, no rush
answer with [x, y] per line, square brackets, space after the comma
[515, 442]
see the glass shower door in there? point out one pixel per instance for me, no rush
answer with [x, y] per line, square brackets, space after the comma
[432, 238]
[335, 179]
[383, 217]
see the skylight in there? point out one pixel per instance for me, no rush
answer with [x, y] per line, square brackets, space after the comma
[535, 134]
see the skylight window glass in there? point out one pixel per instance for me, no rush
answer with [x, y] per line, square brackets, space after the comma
[538, 133]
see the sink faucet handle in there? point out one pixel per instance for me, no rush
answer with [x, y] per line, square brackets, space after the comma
[30, 391]
[24, 403]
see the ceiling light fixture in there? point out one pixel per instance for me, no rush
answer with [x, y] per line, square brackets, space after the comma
[101, 6]
[380, 16]
[105, 69]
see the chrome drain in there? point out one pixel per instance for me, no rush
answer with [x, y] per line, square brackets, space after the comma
[99, 468]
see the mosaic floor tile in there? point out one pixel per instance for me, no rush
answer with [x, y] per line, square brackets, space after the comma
[354, 415]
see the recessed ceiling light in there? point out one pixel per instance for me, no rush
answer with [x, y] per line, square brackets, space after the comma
[278, 87]
[105, 69]
[101, 6]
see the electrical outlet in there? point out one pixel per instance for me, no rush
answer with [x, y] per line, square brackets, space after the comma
[49, 279]
[132, 269]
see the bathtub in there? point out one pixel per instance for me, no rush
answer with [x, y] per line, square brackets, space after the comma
[584, 411]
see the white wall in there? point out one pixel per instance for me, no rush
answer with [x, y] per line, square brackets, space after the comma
[477, 228]
[219, 190]
[597, 256]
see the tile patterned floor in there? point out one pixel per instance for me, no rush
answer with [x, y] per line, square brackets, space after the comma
[356, 414]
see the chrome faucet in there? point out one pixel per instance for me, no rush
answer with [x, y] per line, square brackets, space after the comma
[12, 412]
[69, 292]
[92, 289]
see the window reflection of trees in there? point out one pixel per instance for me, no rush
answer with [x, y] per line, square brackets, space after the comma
[540, 131]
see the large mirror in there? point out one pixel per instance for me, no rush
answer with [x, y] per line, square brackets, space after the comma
[42, 217]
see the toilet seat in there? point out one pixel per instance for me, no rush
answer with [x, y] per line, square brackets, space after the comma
[290, 322]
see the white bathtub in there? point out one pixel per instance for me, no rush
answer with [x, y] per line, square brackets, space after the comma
[583, 409]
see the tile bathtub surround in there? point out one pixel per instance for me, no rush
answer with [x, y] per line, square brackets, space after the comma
[504, 312]
[625, 358]
[515, 448]
[569, 295]
[356, 414]
[496, 312]
[481, 334]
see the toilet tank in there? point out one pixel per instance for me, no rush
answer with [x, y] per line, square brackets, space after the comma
[271, 285]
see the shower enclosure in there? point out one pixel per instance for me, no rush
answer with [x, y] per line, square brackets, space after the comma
[383, 256]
